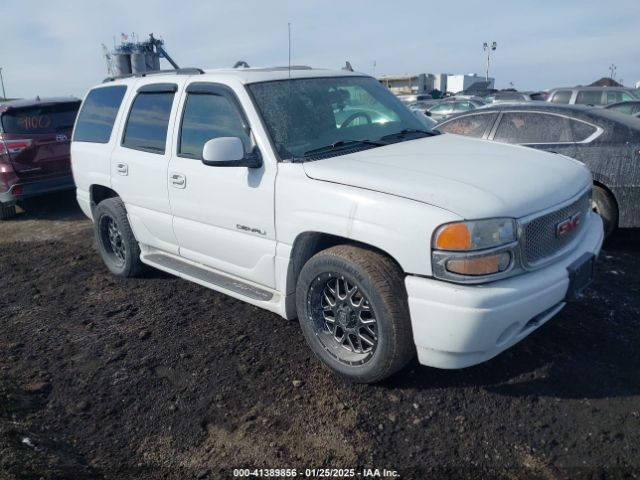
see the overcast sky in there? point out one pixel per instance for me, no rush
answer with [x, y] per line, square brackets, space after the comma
[54, 48]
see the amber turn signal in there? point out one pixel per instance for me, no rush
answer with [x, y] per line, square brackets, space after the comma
[455, 236]
[485, 265]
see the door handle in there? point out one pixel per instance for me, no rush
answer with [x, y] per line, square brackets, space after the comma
[178, 180]
[122, 169]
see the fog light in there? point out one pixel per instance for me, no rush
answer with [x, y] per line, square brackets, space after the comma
[484, 265]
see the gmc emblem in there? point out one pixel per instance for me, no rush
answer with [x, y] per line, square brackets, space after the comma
[568, 225]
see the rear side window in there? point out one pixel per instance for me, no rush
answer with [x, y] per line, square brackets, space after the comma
[469, 125]
[589, 97]
[525, 127]
[208, 116]
[561, 96]
[40, 119]
[581, 130]
[99, 110]
[618, 96]
[148, 122]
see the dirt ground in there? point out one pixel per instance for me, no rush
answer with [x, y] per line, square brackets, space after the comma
[160, 378]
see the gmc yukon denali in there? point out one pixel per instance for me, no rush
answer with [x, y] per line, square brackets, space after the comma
[317, 195]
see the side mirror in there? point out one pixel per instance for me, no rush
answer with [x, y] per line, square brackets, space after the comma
[229, 152]
[427, 113]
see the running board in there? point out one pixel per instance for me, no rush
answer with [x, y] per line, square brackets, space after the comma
[172, 264]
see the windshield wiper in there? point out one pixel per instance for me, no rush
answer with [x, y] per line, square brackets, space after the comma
[407, 131]
[344, 143]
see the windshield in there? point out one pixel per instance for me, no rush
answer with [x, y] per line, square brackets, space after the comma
[311, 114]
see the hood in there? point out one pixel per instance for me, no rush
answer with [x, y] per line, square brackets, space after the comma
[472, 178]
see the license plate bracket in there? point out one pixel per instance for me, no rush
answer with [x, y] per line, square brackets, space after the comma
[580, 275]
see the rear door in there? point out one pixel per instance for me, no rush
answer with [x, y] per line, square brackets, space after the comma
[37, 138]
[140, 161]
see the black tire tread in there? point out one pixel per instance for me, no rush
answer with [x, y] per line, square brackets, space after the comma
[386, 277]
[7, 212]
[115, 207]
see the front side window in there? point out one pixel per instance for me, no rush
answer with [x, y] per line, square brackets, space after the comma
[37, 119]
[306, 114]
[208, 116]
[99, 110]
[148, 122]
[561, 96]
[443, 108]
[469, 125]
[533, 127]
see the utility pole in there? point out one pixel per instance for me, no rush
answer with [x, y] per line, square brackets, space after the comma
[4, 95]
[489, 48]
[612, 71]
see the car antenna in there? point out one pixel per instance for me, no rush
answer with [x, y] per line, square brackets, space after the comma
[289, 27]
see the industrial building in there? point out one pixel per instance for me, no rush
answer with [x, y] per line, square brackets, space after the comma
[426, 82]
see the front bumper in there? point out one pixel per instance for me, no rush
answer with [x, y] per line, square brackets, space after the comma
[456, 326]
[35, 188]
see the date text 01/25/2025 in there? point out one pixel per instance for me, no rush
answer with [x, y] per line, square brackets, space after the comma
[316, 473]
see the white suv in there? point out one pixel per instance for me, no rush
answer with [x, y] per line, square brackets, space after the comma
[316, 194]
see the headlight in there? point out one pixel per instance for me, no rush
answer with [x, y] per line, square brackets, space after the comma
[474, 251]
[475, 235]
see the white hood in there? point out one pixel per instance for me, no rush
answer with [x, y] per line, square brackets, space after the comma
[469, 177]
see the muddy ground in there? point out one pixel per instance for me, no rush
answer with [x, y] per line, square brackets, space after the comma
[160, 378]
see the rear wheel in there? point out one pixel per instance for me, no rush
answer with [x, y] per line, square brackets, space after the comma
[7, 212]
[116, 243]
[605, 206]
[352, 307]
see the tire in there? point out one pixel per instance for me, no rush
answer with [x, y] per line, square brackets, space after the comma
[117, 245]
[370, 337]
[7, 212]
[605, 206]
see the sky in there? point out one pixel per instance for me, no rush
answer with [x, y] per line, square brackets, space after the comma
[54, 48]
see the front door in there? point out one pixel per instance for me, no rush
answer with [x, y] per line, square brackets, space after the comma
[223, 217]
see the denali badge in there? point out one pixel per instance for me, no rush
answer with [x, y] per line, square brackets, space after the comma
[250, 229]
[568, 225]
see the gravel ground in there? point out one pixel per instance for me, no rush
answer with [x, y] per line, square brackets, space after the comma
[156, 377]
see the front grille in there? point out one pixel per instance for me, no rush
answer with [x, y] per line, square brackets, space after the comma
[540, 239]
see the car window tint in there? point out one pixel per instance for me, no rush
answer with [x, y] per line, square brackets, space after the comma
[526, 127]
[208, 116]
[463, 106]
[148, 122]
[40, 119]
[442, 108]
[98, 112]
[589, 97]
[470, 125]
[581, 130]
[561, 96]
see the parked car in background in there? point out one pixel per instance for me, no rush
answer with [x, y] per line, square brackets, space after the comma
[592, 95]
[513, 97]
[449, 107]
[607, 142]
[630, 107]
[413, 97]
[34, 149]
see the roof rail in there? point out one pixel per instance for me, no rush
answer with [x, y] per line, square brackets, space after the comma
[177, 71]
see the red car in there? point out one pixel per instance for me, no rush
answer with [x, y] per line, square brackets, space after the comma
[34, 149]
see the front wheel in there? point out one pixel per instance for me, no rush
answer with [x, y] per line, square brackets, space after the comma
[116, 243]
[352, 307]
[605, 206]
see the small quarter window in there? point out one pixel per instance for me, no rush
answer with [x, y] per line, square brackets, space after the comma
[148, 122]
[98, 112]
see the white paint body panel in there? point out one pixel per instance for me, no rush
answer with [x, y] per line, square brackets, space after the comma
[392, 198]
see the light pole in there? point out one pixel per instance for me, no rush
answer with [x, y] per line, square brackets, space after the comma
[489, 48]
[612, 71]
[4, 95]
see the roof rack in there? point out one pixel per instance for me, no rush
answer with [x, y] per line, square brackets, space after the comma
[177, 71]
